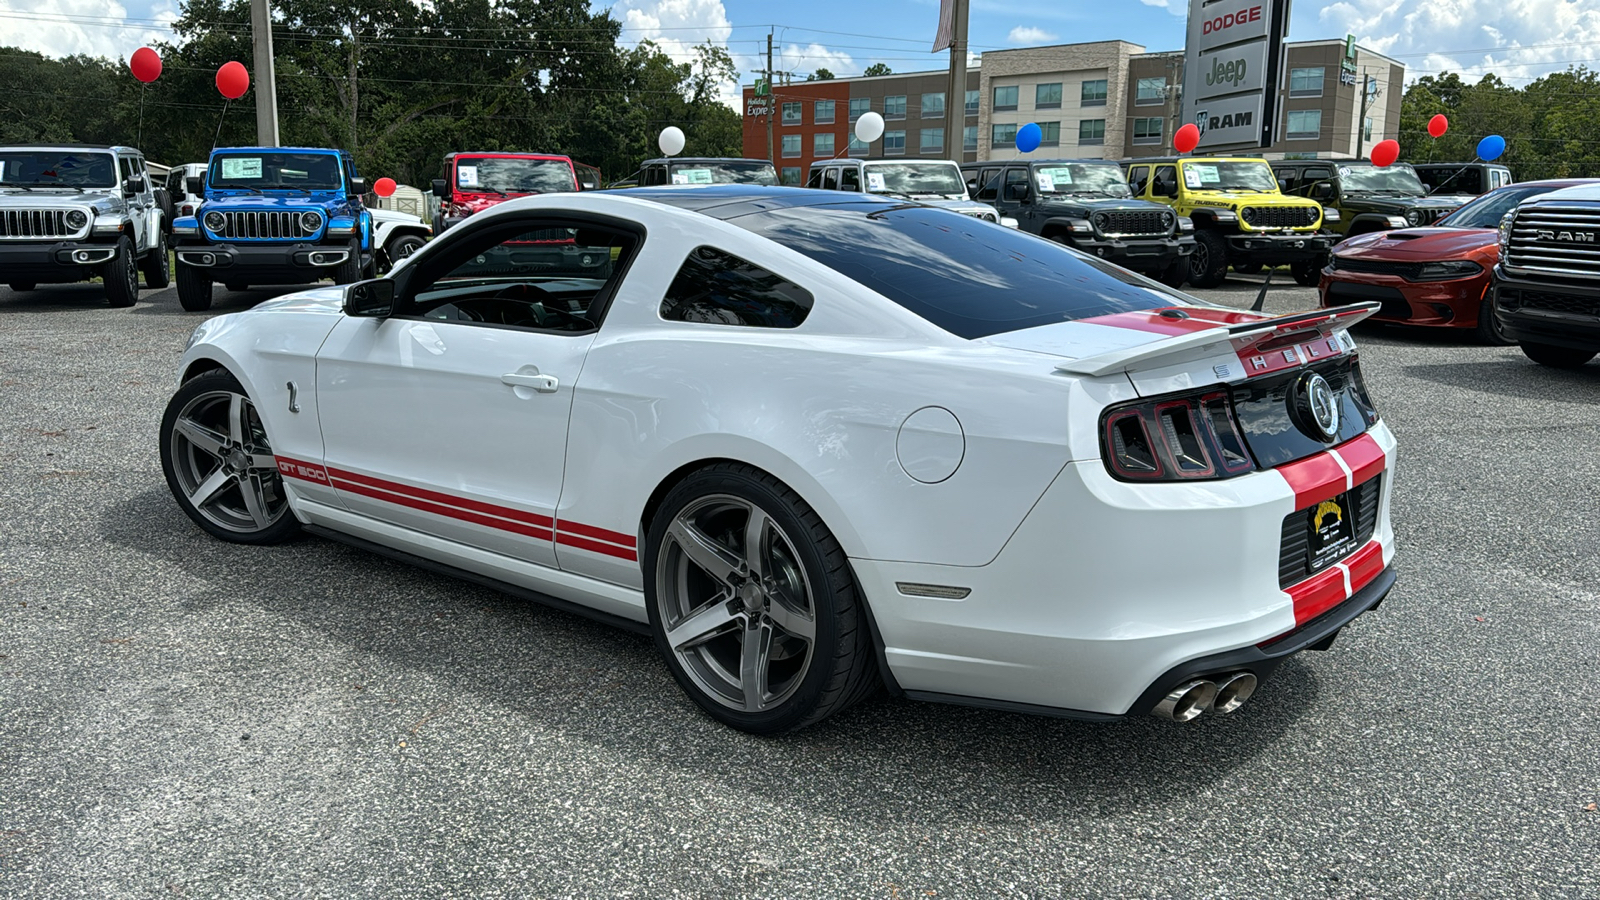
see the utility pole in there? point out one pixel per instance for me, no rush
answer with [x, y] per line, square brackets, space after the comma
[1169, 92]
[772, 101]
[266, 80]
[955, 103]
[1361, 120]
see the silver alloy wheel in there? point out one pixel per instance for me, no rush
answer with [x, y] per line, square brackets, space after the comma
[1200, 259]
[735, 603]
[224, 464]
[130, 272]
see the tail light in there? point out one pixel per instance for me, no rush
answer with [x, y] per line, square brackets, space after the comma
[1189, 437]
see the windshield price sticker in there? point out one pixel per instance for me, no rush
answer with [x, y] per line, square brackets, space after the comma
[467, 176]
[691, 176]
[875, 181]
[241, 167]
[1191, 178]
[1047, 185]
[1202, 175]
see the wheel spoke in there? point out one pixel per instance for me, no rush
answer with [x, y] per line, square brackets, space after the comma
[755, 541]
[237, 430]
[210, 488]
[792, 621]
[702, 625]
[755, 657]
[254, 501]
[203, 438]
[263, 462]
[718, 561]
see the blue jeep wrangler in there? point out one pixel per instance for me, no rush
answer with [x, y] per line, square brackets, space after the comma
[273, 215]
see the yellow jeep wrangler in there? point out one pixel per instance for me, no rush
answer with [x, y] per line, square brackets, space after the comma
[1240, 217]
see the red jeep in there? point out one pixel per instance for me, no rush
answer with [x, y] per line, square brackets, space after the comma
[473, 182]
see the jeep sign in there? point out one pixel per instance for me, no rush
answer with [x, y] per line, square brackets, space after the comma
[1233, 69]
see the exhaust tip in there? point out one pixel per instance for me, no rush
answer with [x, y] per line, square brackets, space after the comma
[1186, 701]
[1232, 691]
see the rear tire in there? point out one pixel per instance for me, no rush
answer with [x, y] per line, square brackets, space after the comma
[1556, 357]
[399, 248]
[155, 267]
[1174, 276]
[1489, 330]
[1208, 264]
[121, 277]
[194, 288]
[752, 603]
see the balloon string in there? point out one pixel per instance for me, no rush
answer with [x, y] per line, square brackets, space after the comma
[218, 136]
[139, 140]
[1477, 158]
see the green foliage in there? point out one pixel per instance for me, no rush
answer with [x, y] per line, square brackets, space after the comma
[821, 74]
[1548, 125]
[398, 83]
[877, 69]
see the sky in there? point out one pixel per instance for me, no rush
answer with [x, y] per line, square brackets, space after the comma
[1517, 40]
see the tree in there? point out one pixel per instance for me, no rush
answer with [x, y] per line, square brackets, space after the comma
[821, 74]
[877, 68]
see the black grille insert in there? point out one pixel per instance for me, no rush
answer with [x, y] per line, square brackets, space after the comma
[1571, 304]
[1294, 552]
[1280, 216]
[1133, 222]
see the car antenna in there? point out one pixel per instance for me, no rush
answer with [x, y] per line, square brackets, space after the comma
[1261, 298]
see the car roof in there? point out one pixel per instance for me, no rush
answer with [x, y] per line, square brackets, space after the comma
[706, 159]
[104, 148]
[328, 150]
[1039, 162]
[727, 201]
[1587, 189]
[506, 154]
[1457, 165]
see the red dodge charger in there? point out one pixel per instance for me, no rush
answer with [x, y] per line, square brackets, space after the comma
[1437, 276]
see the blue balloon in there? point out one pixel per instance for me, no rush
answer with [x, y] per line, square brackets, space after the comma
[1491, 147]
[1028, 137]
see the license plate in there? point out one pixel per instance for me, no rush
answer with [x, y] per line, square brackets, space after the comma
[1332, 534]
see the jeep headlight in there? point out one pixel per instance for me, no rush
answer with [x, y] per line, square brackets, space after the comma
[216, 221]
[310, 221]
[1166, 220]
[76, 219]
[1413, 217]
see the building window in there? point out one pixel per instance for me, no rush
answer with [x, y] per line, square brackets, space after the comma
[1094, 93]
[1049, 134]
[933, 140]
[933, 105]
[894, 107]
[1306, 82]
[1147, 131]
[1002, 135]
[1047, 96]
[822, 112]
[972, 102]
[1366, 129]
[859, 105]
[717, 288]
[789, 175]
[1305, 124]
[791, 114]
[1150, 92]
[894, 142]
[822, 145]
[858, 147]
[1005, 98]
[791, 145]
[1092, 131]
[969, 137]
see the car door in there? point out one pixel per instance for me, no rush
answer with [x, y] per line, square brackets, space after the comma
[1015, 194]
[449, 417]
[136, 204]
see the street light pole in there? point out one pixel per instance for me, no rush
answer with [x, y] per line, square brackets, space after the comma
[266, 81]
[955, 103]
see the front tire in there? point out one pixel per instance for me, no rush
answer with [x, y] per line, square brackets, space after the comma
[752, 603]
[1489, 330]
[121, 277]
[1174, 275]
[219, 463]
[349, 271]
[1308, 272]
[1208, 264]
[194, 288]
[1556, 357]
[157, 275]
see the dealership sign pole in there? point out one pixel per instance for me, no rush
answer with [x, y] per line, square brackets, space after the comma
[1233, 71]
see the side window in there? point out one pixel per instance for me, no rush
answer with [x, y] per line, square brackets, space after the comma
[830, 179]
[1286, 179]
[850, 179]
[1138, 179]
[1320, 173]
[127, 167]
[1471, 182]
[990, 179]
[717, 288]
[814, 180]
[1016, 184]
[548, 276]
[1166, 177]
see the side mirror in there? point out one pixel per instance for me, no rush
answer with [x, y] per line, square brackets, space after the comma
[358, 185]
[589, 186]
[440, 189]
[195, 185]
[134, 185]
[1323, 191]
[1017, 193]
[1165, 188]
[369, 299]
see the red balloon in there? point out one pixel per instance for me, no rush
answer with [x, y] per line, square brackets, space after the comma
[233, 80]
[383, 187]
[1384, 153]
[145, 65]
[1438, 125]
[1187, 138]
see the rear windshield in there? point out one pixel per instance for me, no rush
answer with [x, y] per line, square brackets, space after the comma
[969, 277]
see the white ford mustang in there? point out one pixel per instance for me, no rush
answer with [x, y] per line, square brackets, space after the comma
[817, 445]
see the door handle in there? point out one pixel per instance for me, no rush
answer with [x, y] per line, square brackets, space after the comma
[544, 384]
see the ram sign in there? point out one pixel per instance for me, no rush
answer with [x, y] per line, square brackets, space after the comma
[1233, 69]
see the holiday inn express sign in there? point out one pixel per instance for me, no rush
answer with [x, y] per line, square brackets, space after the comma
[1233, 66]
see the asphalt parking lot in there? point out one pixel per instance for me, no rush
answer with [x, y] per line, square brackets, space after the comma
[185, 718]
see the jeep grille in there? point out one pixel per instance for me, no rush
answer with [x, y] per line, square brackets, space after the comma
[264, 225]
[1559, 241]
[1133, 223]
[1280, 216]
[1430, 216]
[26, 224]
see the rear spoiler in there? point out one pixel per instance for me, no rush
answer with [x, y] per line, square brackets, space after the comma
[1237, 336]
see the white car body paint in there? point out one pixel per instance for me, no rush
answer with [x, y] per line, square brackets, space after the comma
[1084, 588]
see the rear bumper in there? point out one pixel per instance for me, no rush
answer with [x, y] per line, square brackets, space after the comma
[1531, 321]
[1449, 304]
[1275, 249]
[53, 262]
[1108, 592]
[288, 263]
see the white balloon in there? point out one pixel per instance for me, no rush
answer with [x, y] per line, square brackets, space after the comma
[869, 127]
[671, 140]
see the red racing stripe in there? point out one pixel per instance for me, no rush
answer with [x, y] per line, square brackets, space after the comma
[504, 512]
[1363, 456]
[440, 509]
[582, 543]
[1314, 479]
[1364, 565]
[599, 534]
[1197, 319]
[1317, 595]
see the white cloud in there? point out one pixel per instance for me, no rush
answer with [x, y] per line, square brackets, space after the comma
[1518, 39]
[677, 26]
[803, 60]
[1027, 34]
[1176, 7]
[95, 27]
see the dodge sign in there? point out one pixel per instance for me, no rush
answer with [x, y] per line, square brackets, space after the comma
[1233, 67]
